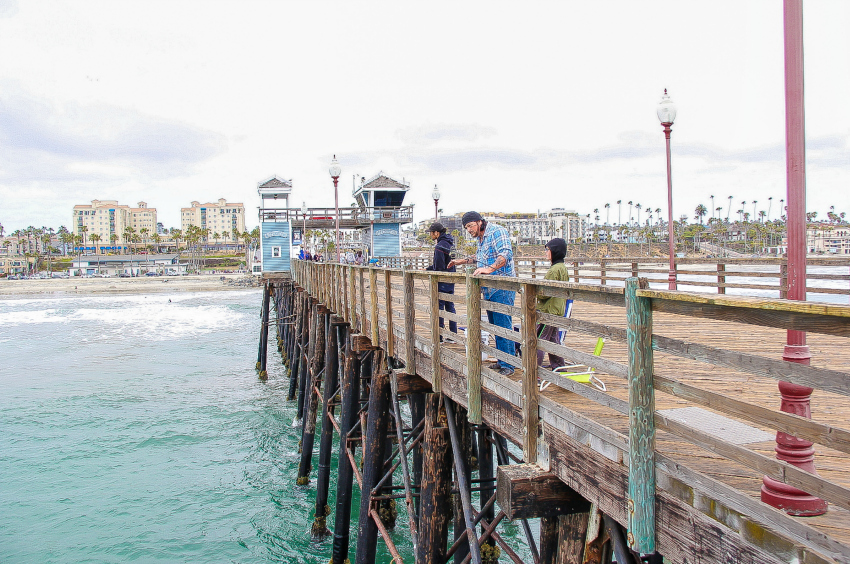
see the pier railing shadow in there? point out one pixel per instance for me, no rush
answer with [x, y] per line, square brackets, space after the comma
[640, 464]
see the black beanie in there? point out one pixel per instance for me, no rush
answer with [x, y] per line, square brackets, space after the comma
[470, 216]
[559, 249]
[437, 226]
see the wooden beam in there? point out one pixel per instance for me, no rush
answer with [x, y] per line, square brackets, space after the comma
[412, 384]
[409, 323]
[434, 305]
[526, 491]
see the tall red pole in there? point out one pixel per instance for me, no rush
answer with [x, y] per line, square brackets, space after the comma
[336, 205]
[795, 399]
[671, 229]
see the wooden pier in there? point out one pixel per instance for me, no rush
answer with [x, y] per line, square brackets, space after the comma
[666, 462]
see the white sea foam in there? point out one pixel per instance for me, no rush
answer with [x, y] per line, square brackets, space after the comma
[156, 317]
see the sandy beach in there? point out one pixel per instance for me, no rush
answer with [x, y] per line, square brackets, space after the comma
[141, 285]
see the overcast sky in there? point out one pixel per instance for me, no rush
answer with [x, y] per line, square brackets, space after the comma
[518, 106]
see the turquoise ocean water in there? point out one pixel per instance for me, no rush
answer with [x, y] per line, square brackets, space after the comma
[135, 430]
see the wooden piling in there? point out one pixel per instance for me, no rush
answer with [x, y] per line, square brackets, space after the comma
[264, 333]
[435, 495]
[329, 387]
[345, 475]
[374, 454]
[295, 345]
[463, 443]
[308, 341]
[548, 540]
[487, 475]
[317, 365]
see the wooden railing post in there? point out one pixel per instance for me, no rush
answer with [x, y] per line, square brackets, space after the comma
[576, 278]
[783, 280]
[389, 310]
[352, 300]
[641, 500]
[473, 348]
[409, 323]
[634, 269]
[530, 411]
[434, 309]
[373, 294]
[721, 279]
[361, 327]
[602, 272]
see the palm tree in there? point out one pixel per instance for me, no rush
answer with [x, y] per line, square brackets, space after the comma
[637, 207]
[225, 235]
[112, 239]
[700, 212]
[619, 211]
[754, 207]
[607, 213]
[83, 230]
[769, 203]
[630, 211]
[729, 209]
[712, 206]
[157, 239]
[94, 238]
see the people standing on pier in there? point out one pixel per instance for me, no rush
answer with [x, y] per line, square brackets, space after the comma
[494, 257]
[556, 250]
[442, 257]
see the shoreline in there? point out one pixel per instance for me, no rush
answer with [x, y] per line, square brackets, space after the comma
[54, 287]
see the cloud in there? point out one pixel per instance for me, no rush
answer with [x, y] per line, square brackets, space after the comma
[39, 141]
[428, 133]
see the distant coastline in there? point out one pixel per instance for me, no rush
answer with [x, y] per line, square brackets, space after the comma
[141, 285]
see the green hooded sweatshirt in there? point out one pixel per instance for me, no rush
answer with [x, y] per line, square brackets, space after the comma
[553, 305]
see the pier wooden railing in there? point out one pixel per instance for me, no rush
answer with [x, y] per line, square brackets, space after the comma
[694, 274]
[644, 485]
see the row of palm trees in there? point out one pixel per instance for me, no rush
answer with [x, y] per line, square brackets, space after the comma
[36, 243]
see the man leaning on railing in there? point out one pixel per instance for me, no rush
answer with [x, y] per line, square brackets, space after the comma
[494, 257]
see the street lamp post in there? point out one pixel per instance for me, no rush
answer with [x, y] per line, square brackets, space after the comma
[436, 195]
[335, 171]
[666, 115]
[304, 219]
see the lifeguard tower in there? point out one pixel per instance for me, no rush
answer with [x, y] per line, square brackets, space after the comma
[275, 228]
[380, 200]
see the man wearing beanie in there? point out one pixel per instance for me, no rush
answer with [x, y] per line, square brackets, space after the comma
[494, 257]
[556, 250]
[442, 257]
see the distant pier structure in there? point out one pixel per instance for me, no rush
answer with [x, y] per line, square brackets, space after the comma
[378, 214]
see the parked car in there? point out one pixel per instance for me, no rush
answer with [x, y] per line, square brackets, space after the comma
[151, 274]
[123, 275]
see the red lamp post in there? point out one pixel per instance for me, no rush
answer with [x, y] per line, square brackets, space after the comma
[436, 196]
[335, 171]
[666, 115]
[795, 398]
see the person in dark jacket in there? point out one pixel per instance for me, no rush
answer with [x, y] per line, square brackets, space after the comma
[442, 257]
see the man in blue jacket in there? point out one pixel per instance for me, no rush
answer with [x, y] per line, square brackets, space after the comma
[442, 257]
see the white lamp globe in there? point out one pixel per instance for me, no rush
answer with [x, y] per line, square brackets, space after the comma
[304, 208]
[436, 193]
[334, 170]
[666, 109]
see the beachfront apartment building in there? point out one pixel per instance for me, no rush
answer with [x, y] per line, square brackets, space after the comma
[527, 228]
[107, 218]
[221, 217]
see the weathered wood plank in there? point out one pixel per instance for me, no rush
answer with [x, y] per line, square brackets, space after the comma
[409, 323]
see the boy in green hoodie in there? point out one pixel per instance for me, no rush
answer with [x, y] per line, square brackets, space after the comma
[556, 250]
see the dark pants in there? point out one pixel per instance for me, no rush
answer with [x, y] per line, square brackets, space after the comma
[449, 307]
[548, 333]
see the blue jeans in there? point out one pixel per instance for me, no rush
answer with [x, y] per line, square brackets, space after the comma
[502, 320]
[449, 307]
